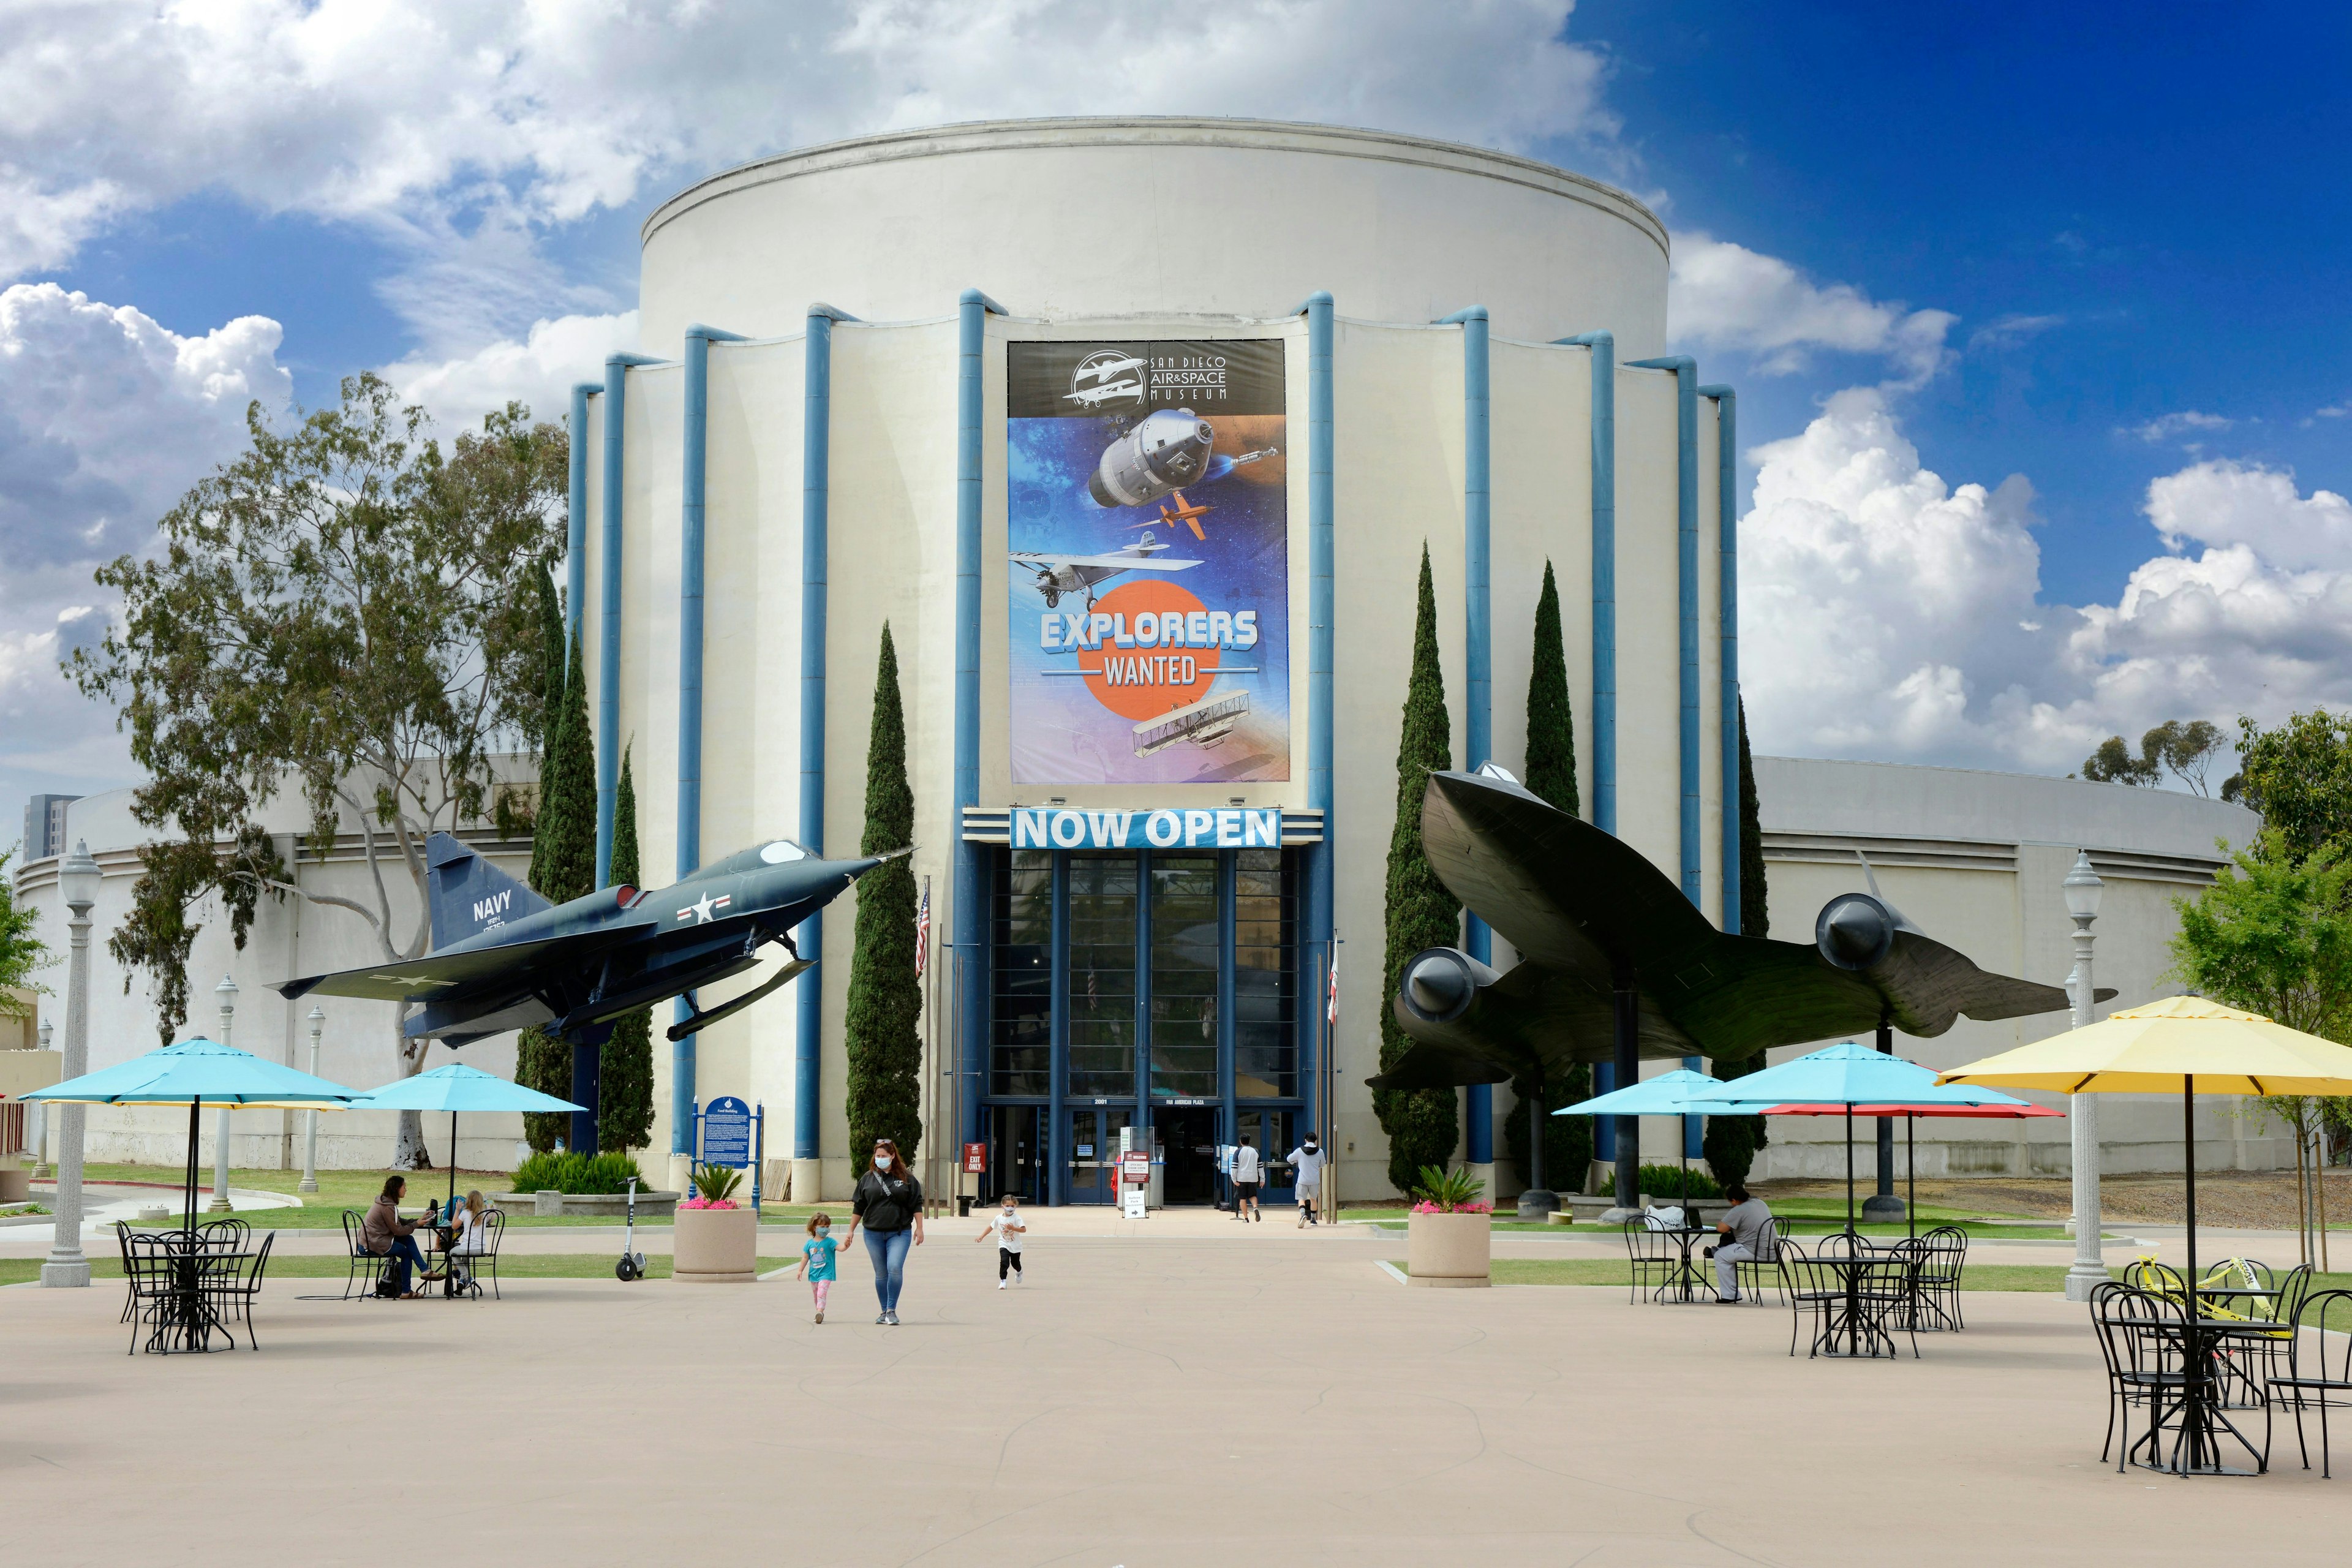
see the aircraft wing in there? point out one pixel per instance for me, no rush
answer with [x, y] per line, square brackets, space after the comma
[1116, 562]
[435, 977]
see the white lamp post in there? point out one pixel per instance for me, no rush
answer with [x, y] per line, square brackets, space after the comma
[2089, 1269]
[77, 882]
[226, 992]
[309, 1181]
[36, 1121]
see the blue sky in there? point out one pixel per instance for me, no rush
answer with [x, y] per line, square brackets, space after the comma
[2035, 314]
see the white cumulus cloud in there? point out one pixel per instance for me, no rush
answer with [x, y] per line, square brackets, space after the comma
[2166, 427]
[1888, 613]
[106, 417]
[1725, 296]
[537, 370]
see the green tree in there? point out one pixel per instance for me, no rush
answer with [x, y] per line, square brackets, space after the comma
[22, 952]
[2183, 748]
[344, 608]
[1422, 1124]
[1730, 1143]
[883, 1021]
[562, 868]
[625, 1088]
[1551, 722]
[2299, 777]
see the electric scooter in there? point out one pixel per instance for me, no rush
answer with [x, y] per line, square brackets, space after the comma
[632, 1265]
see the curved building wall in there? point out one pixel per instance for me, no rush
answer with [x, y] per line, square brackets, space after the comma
[1109, 217]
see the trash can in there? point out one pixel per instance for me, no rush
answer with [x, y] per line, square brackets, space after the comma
[963, 1205]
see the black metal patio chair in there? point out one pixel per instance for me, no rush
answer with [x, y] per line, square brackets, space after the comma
[1806, 1285]
[1651, 1254]
[2140, 1334]
[232, 1289]
[374, 1264]
[1938, 1292]
[479, 1247]
[2319, 1367]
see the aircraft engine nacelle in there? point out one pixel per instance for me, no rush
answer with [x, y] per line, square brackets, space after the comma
[1166, 448]
[1856, 932]
[1443, 984]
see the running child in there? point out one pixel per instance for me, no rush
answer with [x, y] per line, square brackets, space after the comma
[1006, 1227]
[817, 1260]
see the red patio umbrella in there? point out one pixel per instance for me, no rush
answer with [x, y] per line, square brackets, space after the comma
[1911, 1114]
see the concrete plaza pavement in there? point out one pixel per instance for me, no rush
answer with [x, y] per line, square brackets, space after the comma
[1171, 1399]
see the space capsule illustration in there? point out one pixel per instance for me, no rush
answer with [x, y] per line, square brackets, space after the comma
[1162, 450]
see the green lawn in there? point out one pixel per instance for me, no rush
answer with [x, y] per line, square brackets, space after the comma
[512, 1265]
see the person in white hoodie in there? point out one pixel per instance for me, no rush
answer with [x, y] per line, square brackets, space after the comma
[1306, 1163]
[1248, 1171]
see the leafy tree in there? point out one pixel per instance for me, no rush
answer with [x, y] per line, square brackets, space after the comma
[1730, 1143]
[2299, 777]
[1551, 722]
[883, 1021]
[1422, 1123]
[22, 952]
[344, 607]
[2185, 749]
[562, 868]
[624, 1090]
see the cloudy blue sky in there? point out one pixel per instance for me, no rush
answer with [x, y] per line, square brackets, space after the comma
[2036, 313]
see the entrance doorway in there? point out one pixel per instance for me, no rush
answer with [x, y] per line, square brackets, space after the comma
[1016, 1159]
[1093, 1152]
[1188, 1143]
[1271, 1131]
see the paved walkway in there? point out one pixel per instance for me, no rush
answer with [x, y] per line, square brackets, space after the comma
[1169, 1400]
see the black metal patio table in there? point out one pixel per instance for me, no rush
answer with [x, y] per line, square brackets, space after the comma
[1684, 1278]
[185, 1319]
[2197, 1433]
[1859, 1317]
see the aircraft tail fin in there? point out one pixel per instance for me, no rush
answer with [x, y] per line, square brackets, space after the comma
[469, 895]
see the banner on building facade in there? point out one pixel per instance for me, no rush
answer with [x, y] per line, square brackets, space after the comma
[1149, 555]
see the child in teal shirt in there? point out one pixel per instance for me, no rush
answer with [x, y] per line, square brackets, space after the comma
[817, 1260]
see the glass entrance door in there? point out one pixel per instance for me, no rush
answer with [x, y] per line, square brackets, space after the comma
[1188, 1141]
[1016, 1155]
[1093, 1168]
[1271, 1131]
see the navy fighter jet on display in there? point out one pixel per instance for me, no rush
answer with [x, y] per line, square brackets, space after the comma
[1060, 574]
[1165, 449]
[504, 958]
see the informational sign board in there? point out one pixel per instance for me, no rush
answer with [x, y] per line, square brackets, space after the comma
[727, 1132]
[975, 1159]
[1135, 1167]
[1134, 1202]
[1148, 561]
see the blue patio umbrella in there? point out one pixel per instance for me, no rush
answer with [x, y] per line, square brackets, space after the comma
[454, 1088]
[1668, 1094]
[1854, 1076]
[191, 1073]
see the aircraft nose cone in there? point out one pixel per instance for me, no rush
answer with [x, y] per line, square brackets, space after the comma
[1854, 933]
[1437, 987]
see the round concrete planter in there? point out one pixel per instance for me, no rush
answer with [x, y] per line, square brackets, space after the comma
[717, 1247]
[653, 1208]
[1450, 1251]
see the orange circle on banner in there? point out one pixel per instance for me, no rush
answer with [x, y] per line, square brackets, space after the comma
[1147, 681]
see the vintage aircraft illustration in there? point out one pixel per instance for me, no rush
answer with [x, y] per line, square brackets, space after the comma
[1092, 396]
[1164, 449]
[504, 958]
[1060, 574]
[1203, 723]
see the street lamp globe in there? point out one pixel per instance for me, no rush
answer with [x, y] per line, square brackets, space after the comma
[47, 1030]
[79, 878]
[2083, 889]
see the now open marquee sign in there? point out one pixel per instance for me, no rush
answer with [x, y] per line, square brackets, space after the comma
[1225, 827]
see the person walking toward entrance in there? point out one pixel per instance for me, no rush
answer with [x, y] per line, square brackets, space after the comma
[1247, 1172]
[890, 1204]
[816, 1260]
[1006, 1227]
[1307, 1175]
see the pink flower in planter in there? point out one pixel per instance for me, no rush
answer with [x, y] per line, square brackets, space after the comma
[710, 1204]
[1427, 1207]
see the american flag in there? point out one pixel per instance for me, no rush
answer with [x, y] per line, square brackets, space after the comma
[923, 931]
[1331, 999]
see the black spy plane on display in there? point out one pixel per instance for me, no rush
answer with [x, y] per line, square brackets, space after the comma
[504, 958]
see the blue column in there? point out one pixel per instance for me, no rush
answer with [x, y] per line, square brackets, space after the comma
[816, 501]
[1604, 1127]
[1604, 421]
[687, 852]
[1054, 1140]
[575, 537]
[1727, 633]
[1316, 895]
[1686, 582]
[608, 620]
[1228, 927]
[971, 919]
[1478, 631]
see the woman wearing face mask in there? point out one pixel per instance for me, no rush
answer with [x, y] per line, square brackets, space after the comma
[890, 1204]
[1307, 1167]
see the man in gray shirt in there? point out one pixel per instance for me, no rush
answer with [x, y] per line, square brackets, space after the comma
[1743, 1226]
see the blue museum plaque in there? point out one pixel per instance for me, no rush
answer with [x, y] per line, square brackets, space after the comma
[727, 1132]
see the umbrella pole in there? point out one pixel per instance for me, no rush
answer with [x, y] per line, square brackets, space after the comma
[195, 1105]
[2192, 1431]
[453, 1163]
[1911, 1175]
[1849, 1168]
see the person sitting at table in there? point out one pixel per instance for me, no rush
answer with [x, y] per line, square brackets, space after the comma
[1743, 1239]
[387, 1234]
[468, 1237]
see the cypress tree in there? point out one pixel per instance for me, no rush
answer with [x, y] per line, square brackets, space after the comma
[624, 1090]
[883, 1022]
[1732, 1142]
[562, 868]
[1551, 775]
[1421, 1124]
[551, 658]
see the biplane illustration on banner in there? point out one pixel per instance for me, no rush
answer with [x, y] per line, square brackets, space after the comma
[1148, 557]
